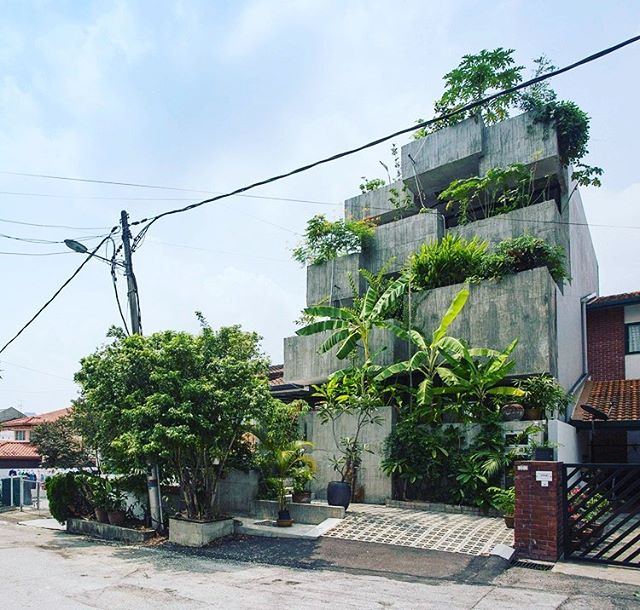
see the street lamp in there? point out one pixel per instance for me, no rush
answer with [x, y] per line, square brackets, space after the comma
[76, 246]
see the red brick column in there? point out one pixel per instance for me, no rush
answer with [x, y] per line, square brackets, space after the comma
[539, 518]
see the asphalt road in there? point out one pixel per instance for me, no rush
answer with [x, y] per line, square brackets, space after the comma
[42, 568]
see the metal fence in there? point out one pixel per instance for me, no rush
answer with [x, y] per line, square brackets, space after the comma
[21, 492]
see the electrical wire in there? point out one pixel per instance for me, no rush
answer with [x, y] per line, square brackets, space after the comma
[395, 134]
[121, 198]
[33, 253]
[46, 226]
[33, 240]
[27, 368]
[58, 291]
[114, 281]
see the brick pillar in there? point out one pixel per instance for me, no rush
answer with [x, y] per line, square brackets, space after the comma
[539, 518]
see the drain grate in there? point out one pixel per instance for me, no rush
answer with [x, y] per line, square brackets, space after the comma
[533, 565]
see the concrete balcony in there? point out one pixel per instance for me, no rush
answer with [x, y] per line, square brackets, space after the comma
[469, 148]
[521, 306]
[400, 239]
[329, 283]
[304, 365]
[379, 205]
[453, 152]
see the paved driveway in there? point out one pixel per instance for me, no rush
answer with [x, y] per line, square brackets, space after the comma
[420, 529]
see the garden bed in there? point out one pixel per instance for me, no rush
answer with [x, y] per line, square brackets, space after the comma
[439, 507]
[311, 514]
[105, 531]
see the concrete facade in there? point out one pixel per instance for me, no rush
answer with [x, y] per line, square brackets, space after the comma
[377, 485]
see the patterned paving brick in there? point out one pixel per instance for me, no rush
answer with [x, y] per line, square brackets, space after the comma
[455, 533]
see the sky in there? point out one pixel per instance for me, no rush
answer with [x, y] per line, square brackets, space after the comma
[211, 95]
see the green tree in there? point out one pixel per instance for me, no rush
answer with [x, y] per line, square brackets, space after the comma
[59, 444]
[185, 401]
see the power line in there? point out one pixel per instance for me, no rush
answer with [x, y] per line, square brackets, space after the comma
[170, 188]
[46, 226]
[395, 134]
[254, 256]
[33, 240]
[27, 368]
[58, 291]
[33, 253]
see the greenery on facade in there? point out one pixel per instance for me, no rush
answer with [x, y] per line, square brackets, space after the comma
[543, 392]
[371, 185]
[454, 260]
[325, 240]
[184, 401]
[500, 190]
[478, 76]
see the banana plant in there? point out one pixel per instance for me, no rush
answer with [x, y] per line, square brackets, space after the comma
[353, 325]
[478, 375]
[429, 357]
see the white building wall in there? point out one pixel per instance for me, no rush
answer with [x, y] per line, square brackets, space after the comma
[565, 437]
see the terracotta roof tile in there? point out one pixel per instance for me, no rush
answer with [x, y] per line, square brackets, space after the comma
[619, 399]
[34, 420]
[614, 298]
[17, 449]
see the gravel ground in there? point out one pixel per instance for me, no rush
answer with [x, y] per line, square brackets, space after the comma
[45, 568]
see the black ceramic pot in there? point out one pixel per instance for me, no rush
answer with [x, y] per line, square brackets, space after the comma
[338, 494]
[543, 454]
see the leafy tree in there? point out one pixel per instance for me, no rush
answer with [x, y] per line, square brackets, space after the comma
[59, 444]
[185, 401]
[476, 77]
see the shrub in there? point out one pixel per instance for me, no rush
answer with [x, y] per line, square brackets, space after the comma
[526, 252]
[325, 240]
[448, 261]
[499, 190]
[503, 500]
[371, 185]
[67, 496]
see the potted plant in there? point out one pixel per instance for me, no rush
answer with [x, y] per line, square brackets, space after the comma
[543, 452]
[504, 500]
[116, 503]
[286, 461]
[301, 478]
[99, 497]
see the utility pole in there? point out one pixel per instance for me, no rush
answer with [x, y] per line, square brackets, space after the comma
[153, 482]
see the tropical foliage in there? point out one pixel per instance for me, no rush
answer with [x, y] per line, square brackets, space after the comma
[59, 444]
[325, 240]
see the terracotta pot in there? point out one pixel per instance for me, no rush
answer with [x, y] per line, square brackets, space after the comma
[101, 515]
[532, 413]
[509, 521]
[302, 497]
[116, 517]
[512, 412]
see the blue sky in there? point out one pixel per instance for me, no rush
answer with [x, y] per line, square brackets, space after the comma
[212, 95]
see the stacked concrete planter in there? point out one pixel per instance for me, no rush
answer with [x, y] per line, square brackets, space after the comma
[198, 533]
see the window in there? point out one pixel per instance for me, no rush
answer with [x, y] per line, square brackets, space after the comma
[633, 338]
[21, 435]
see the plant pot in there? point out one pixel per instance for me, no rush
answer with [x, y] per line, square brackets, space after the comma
[302, 497]
[543, 454]
[101, 515]
[532, 413]
[284, 519]
[116, 517]
[512, 412]
[338, 494]
[509, 521]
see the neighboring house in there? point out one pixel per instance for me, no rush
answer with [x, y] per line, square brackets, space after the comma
[548, 319]
[7, 415]
[17, 451]
[613, 356]
[21, 427]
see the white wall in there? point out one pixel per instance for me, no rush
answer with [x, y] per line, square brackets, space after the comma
[566, 437]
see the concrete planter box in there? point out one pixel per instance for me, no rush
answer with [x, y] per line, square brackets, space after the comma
[304, 365]
[376, 204]
[105, 531]
[312, 514]
[522, 306]
[196, 533]
[331, 280]
[440, 157]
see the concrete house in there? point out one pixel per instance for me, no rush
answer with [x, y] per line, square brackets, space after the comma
[548, 319]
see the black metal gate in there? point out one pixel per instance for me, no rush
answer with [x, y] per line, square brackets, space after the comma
[602, 513]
